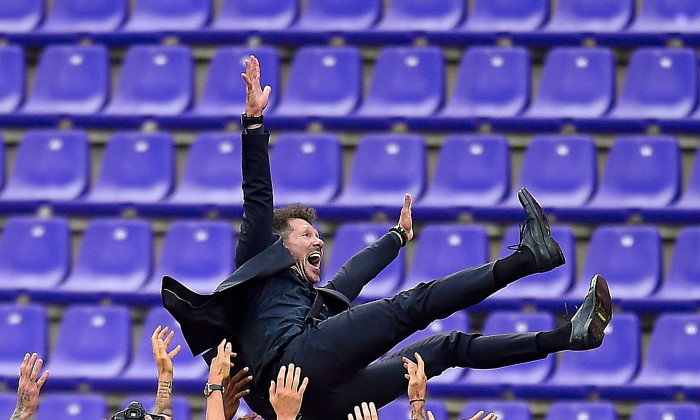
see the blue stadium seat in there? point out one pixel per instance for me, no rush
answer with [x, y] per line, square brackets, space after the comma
[115, 255]
[72, 407]
[49, 165]
[509, 410]
[197, 253]
[142, 373]
[672, 354]
[629, 257]
[471, 170]
[582, 411]
[165, 15]
[491, 82]
[223, 93]
[660, 83]
[641, 172]
[93, 343]
[614, 363]
[401, 409]
[351, 238]
[507, 16]
[575, 83]
[306, 168]
[219, 181]
[549, 285]
[20, 16]
[154, 80]
[682, 283]
[385, 167]
[181, 406]
[81, 16]
[24, 329]
[323, 81]
[136, 168]
[34, 254]
[685, 210]
[339, 15]
[416, 15]
[665, 411]
[591, 16]
[406, 82]
[458, 321]
[12, 75]
[70, 80]
[668, 16]
[8, 401]
[523, 374]
[444, 249]
[256, 15]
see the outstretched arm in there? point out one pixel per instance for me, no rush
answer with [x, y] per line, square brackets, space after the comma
[29, 386]
[368, 263]
[160, 341]
[256, 230]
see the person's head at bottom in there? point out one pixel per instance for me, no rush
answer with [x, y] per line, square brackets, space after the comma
[135, 411]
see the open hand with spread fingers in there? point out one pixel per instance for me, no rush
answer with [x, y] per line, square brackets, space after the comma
[490, 416]
[29, 386]
[256, 99]
[233, 392]
[287, 393]
[367, 412]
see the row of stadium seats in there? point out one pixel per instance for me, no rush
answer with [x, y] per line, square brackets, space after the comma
[94, 347]
[363, 20]
[472, 174]
[578, 86]
[116, 260]
[94, 406]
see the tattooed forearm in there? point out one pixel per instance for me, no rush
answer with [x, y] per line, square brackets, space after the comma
[164, 398]
[20, 412]
[418, 411]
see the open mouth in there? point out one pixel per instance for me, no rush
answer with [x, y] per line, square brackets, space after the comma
[315, 259]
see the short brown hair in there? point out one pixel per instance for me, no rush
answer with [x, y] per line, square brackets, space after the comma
[281, 217]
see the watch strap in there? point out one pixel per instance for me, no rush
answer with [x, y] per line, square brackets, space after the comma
[247, 121]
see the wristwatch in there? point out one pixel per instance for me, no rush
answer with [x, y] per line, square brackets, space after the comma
[247, 121]
[209, 388]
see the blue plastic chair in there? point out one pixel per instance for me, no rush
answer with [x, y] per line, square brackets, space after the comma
[668, 16]
[217, 182]
[509, 410]
[491, 82]
[339, 15]
[20, 16]
[93, 343]
[686, 208]
[591, 16]
[24, 329]
[629, 257]
[8, 402]
[136, 168]
[115, 255]
[406, 82]
[385, 167]
[323, 81]
[72, 407]
[416, 15]
[665, 411]
[575, 83]
[306, 168]
[165, 15]
[223, 94]
[351, 238]
[582, 410]
[12, 76]
[154, 80]
[471, 170]
[34, 254]
[507, 16]
[70, 80]
[85, 16]
[660, 83]
[256, 15]
[682, 282]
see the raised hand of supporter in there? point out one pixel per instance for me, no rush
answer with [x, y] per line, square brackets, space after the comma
[220, 367]
[255, 98]
[160, 341]
[417, 381]
[286, 394]
[367, 412]
[490, 416]
[234, 392]
[29, 386]
[406, 217]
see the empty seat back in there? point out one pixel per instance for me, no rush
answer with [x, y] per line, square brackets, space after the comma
[20, 16]
[72, 407]
[507, 16]
[416, 15]
[12, 75]
[664, 411]
[683, 279]
[165, 15]
[582, 410]
[85, 16]
[24, 330]
[339, 15]
[256, 15]
[591, 15]
[668, 16]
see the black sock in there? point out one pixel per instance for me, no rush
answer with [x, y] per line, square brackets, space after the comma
[554, 341]
[519, 264]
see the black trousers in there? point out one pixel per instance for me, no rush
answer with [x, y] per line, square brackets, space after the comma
[337, 355]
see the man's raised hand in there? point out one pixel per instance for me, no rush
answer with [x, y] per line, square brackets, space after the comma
[255, 98]
[29, 386]
[368, 412]
[160, 340]
[406, 217]
[286, 394]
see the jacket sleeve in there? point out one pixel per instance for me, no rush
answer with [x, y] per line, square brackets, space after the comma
[256, 229]
[364, 266]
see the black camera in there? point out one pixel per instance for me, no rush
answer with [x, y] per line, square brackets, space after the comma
[135, 411]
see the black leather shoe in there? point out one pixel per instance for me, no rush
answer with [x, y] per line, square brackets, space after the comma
[589, 322]
[536, 235]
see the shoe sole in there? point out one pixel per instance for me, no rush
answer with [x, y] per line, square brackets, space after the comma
[602, 311]
[555, 253]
